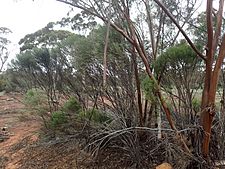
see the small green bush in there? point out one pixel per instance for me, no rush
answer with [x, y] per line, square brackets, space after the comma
[196, 103]
[149, 88]
[72, 106]
[35, 97]
[37, 104]
[94, 115]
[2, 85]
[58, 118]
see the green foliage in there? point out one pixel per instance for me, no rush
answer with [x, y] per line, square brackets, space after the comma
[196, 104]
[72, 106]
[24, 60]
[83, 53]
[2, 85]
[44, 37]
[177, 58]
[13, 82]
[58, 118]
[94, 115]
[34, 97]
[36, 102]
[149, 88]
[81, 21]
[178, 66]
[87, 51]
[3, 82]
[200, 33]
[42, 57]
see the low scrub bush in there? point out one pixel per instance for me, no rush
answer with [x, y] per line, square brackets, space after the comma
[2, 85]
[37, 104]
[58, 118]
[95, 116]
[35, 97]
[196, 103]
[72, 106]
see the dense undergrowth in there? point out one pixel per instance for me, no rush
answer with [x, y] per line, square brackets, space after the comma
[104, 142]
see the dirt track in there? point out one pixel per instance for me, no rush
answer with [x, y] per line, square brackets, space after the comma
[17, 127]
[20, 152]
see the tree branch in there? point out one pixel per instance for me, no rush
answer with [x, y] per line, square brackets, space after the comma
[209, 26]
[181, 30]
[150, 27]
[218, 25]
[100, 17]
[217, 69]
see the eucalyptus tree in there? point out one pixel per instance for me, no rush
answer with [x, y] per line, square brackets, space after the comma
[47, 37]
[19, 72]
[85, 56]
[42, 61]
[179, 68]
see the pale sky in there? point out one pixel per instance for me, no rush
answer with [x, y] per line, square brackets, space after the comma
[27, 16]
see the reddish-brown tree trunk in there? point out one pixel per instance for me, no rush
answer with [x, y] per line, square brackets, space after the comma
[212, 74]
[208, 98]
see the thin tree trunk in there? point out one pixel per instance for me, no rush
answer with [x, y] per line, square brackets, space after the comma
[138, 85]
[106, 47]
[150, 27]
[145, 110]
[154, 55]
[159, 122]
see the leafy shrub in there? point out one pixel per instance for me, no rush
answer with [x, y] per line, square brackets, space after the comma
[72, 106]
[94, 115]
[196, 103]
[35, 97]
[149, 88]
[2, 85]
[58, 118]
[180, 54]
[37, 103]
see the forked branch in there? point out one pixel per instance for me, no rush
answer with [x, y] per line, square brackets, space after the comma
[180, 28]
